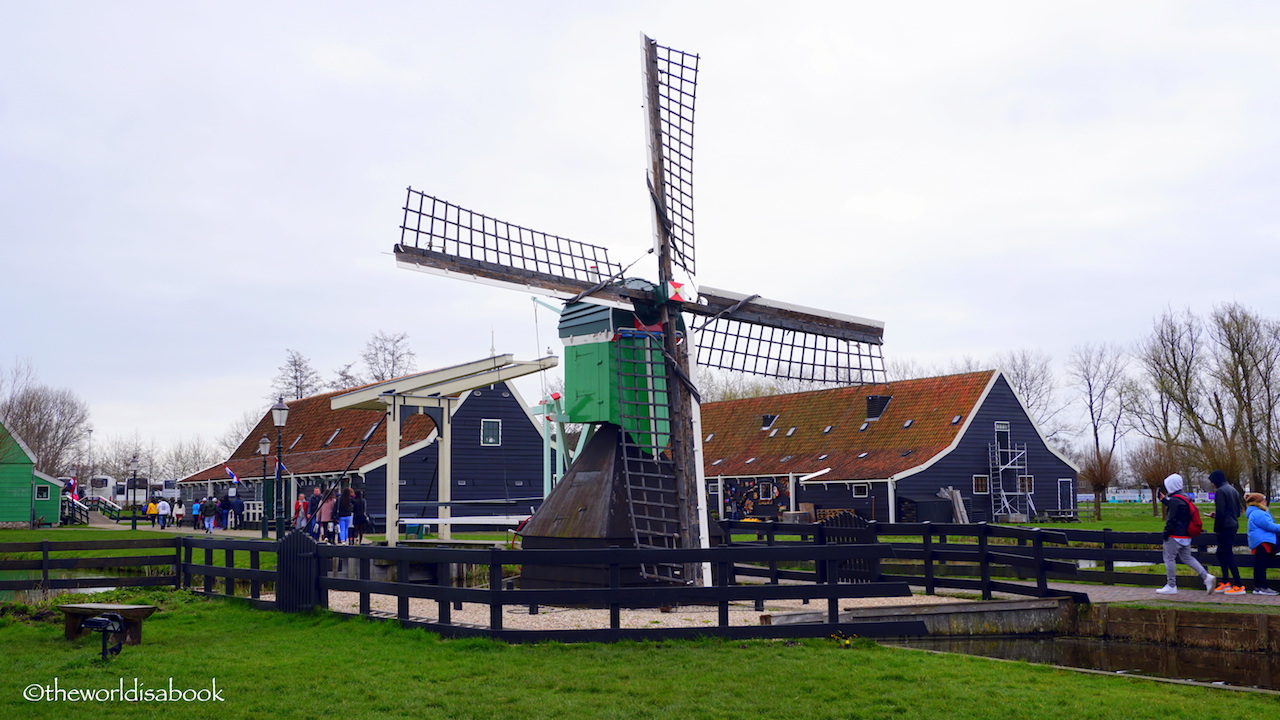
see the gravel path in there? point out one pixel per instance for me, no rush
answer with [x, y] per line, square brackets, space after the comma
[564, 618]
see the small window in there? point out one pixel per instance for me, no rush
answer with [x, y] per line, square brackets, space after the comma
[864, 426]
[792, 431]
[331, 438]
[1026, 484]
[766, 490]
[773, 432]
[295, 442]
[709, 437]
[907, 452]
[823, 456]
[861, 455]
[981, 485]
[786, 458]
[861, 490]
[1002, 427]
[956, 419]
[369, 432]
[826, 429]
[718, 461]
[490, 433]
[462, 482]
[767, 421]
[750, 460]
[907, 424]
[42, 492]
[519, 483]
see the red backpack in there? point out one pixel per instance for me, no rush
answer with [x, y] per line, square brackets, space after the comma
[1196, 525]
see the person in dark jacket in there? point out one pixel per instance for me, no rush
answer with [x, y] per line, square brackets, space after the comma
[1226, 524]
[313, 510]
[346, 507]
[360, 517]
[1177, 538]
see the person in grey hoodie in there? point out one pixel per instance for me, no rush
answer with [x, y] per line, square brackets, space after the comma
[1177, 538]
[1226, 524]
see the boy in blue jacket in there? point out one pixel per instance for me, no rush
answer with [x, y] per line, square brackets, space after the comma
[1262, 540]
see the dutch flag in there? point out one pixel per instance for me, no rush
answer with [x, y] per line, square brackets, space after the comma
[234, 478]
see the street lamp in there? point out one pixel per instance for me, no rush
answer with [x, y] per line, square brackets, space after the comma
[133, 514]
[279, 415]
[264, 449]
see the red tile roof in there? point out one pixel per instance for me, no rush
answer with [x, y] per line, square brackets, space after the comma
[738, 447]
[306, 437]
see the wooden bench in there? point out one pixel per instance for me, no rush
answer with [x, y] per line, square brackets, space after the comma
[74, 615]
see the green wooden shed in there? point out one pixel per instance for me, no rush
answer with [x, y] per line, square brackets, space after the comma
[25, 493]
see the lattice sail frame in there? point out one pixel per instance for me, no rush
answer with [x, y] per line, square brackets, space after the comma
[728, 344]
[676, 83]
[437, 226]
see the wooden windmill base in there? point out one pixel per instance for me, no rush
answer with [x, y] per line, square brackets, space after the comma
[589, 508]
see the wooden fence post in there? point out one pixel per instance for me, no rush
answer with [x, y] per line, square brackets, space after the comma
[1042, 568]
[983, 562]
[495, 590]
[1108, 565]
[926, 544]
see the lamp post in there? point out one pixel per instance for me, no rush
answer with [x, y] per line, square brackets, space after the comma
[264, 449]
[279, 415]
[133, 496]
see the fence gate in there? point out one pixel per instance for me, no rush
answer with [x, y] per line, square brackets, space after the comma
[848, 528]
[297, 573]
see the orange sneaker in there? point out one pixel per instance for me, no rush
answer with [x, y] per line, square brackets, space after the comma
[1222, 587]
[1233, 590]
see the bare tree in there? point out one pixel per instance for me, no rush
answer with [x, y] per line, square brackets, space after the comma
[1031, 375]
[53, 422]
[1212, 391]
[1151, 462]
[1098, 372]
[186, 457]
[236, 432]
[387, 356]
[297, 378]
[345, 377]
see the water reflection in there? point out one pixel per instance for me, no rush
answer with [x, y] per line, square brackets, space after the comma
[1248, 669]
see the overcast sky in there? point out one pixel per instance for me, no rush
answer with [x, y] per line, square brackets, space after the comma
[187, 190]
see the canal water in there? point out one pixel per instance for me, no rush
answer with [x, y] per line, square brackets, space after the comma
[1245, 669]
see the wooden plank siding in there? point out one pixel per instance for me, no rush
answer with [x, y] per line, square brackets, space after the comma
[512, 469]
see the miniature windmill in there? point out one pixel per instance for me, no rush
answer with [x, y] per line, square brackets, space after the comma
[628, 365]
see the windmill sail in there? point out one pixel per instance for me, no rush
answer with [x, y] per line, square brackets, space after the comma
[671, 78]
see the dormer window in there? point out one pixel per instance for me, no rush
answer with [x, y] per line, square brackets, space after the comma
[876, 405]
[767, 421]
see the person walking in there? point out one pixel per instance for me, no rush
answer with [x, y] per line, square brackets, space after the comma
[195, 514]
[1262, 531]
[1226, 525]
[209, 512]
[237, 511]
[346, 507]
[152, 511]
[313, 513]
[224, 512]
[360, 516]
[300, 512]
[1177, 537]
[327, 507]
[163, 510]
[179, 512]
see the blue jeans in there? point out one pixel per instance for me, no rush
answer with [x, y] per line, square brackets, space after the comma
[208, 523]
[344, 525]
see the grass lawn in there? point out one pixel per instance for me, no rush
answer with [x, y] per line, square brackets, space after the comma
[266, 559]
[326, 666]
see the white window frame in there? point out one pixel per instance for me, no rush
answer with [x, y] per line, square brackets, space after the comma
[484, 424]
[1030, 487]
[862, 490]
[42, 492]
[764, 486]
[986, 480]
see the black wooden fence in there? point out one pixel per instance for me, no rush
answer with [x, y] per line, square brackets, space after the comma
[755, 563]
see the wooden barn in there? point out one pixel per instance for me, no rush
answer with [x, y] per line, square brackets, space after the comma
[497, 455]
[27, 495]
[884, 451]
